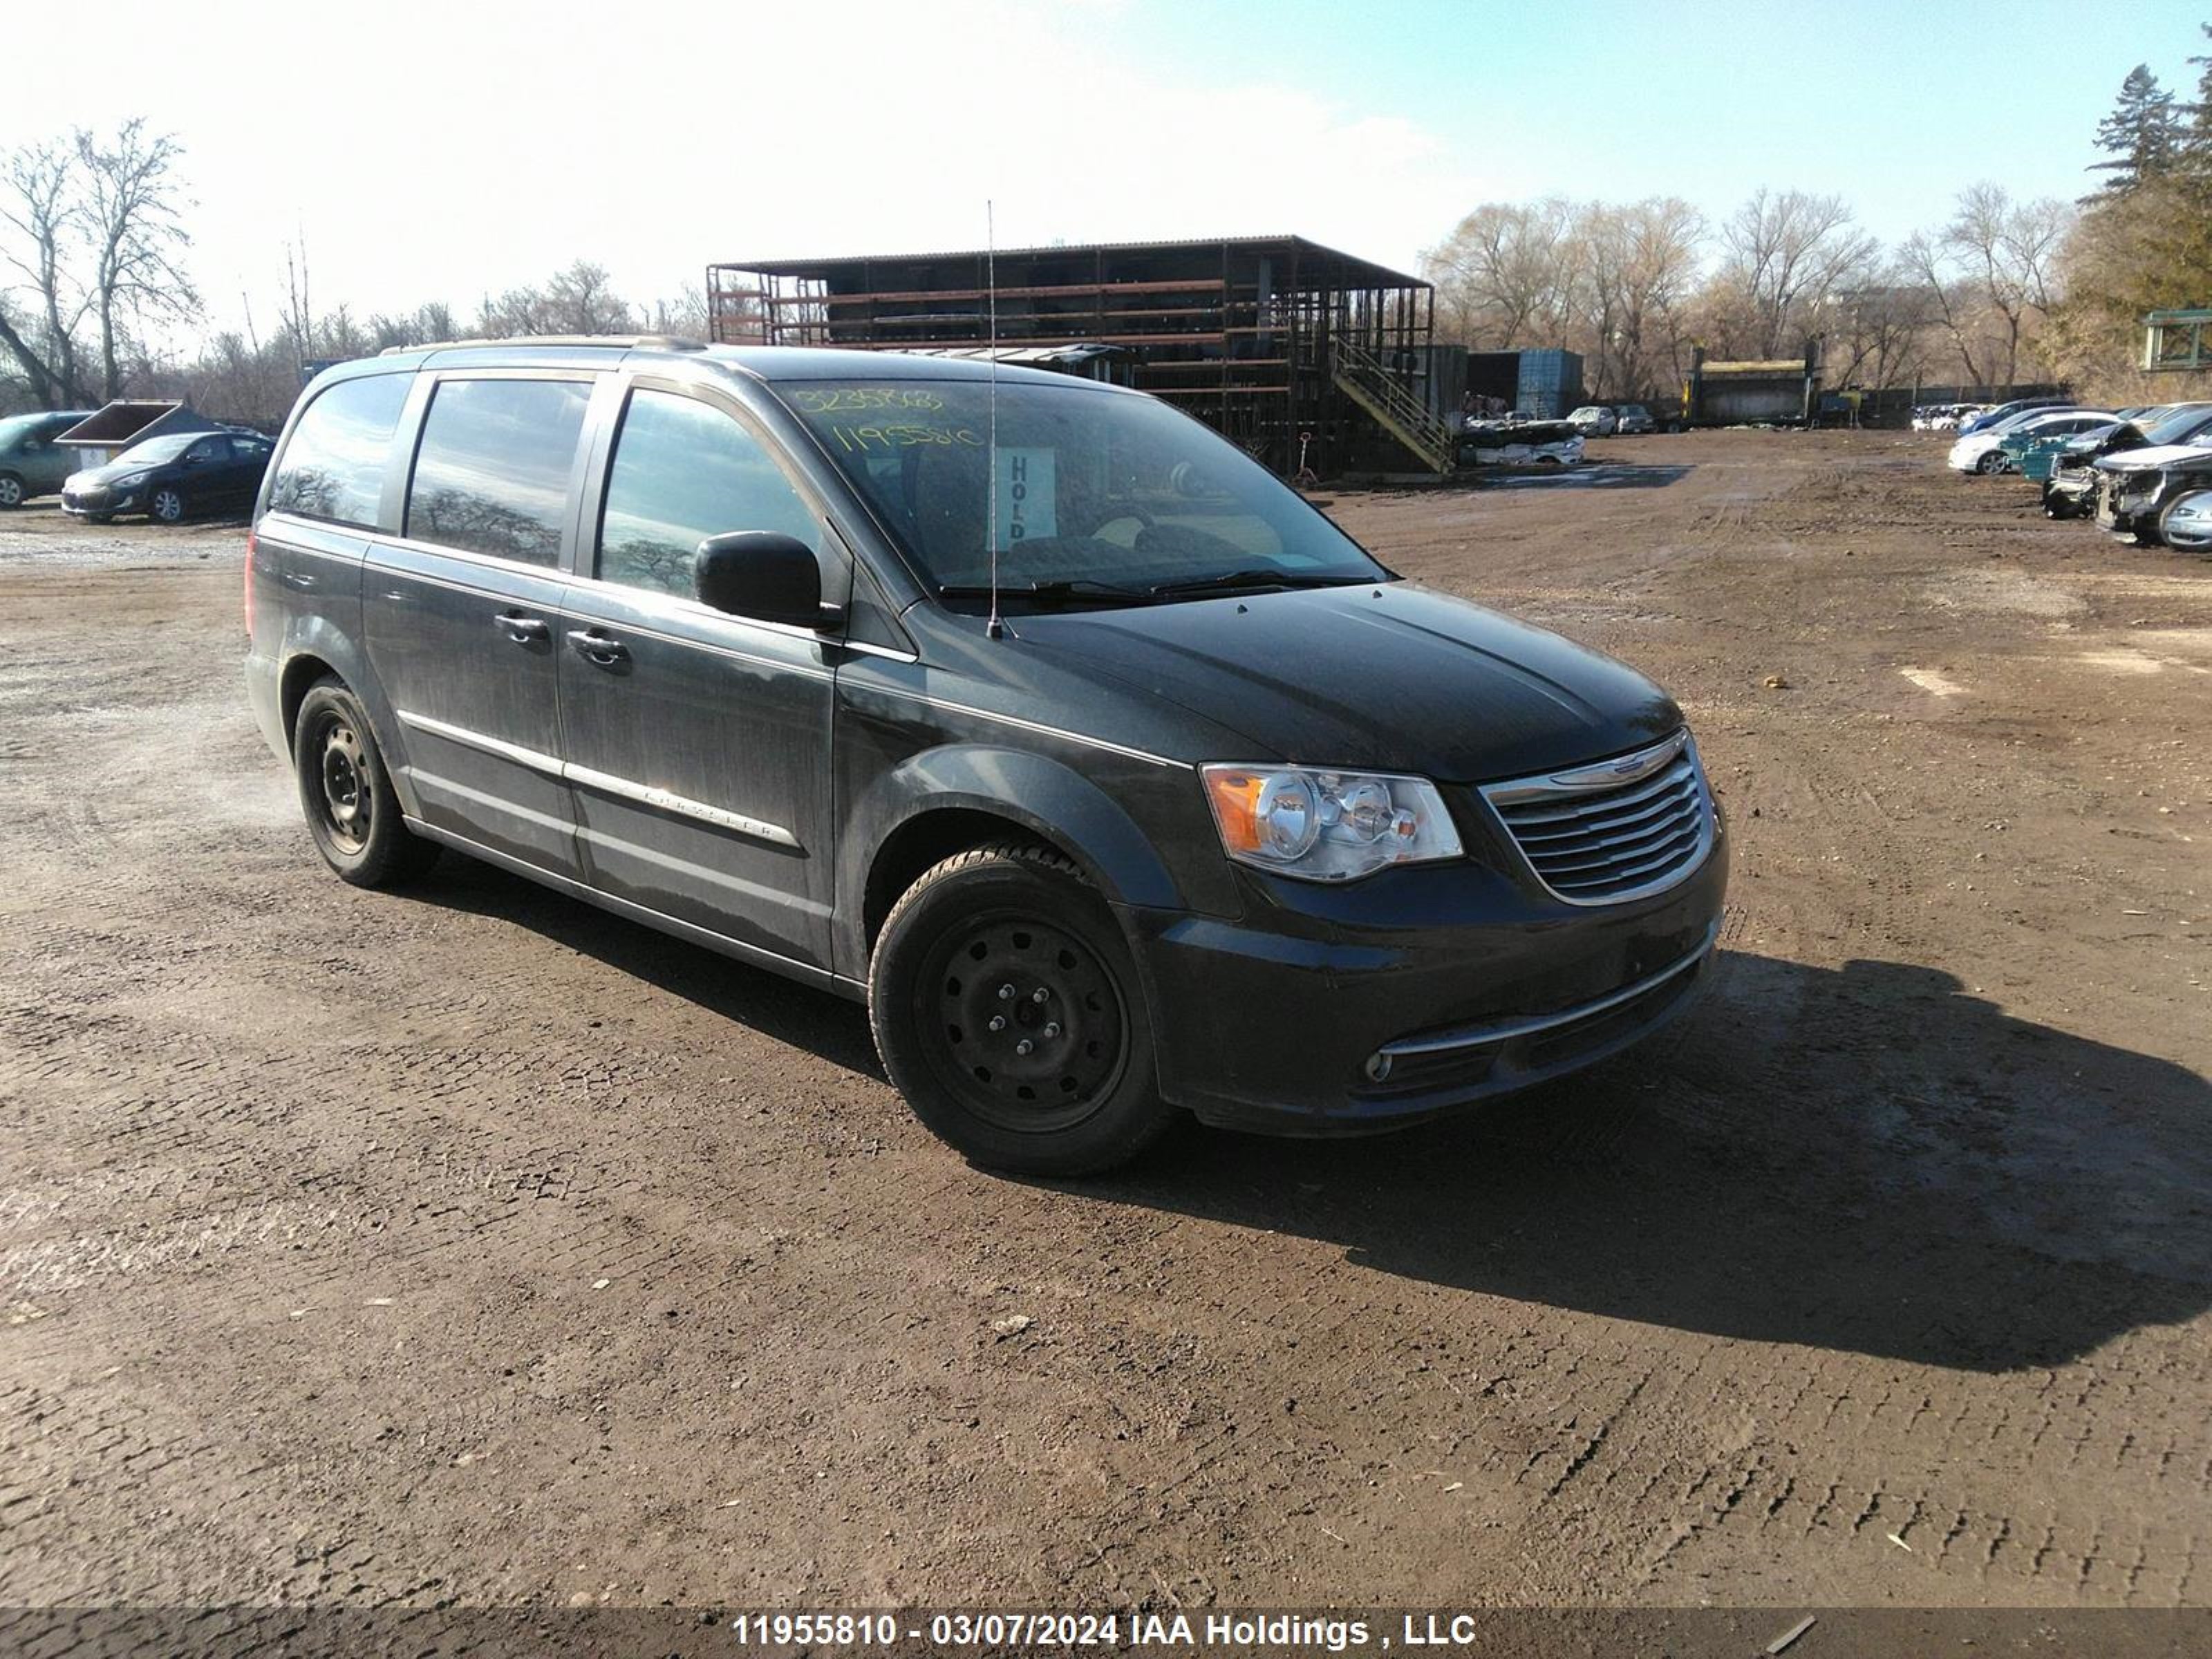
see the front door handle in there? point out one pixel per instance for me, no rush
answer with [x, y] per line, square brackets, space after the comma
[599, 646]
[523, 631]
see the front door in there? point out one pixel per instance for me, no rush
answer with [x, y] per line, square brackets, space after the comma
[697, 743]
[462, 612]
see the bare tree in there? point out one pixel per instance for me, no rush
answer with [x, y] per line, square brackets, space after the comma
[1637, 266]
[1504, 275]
[37, 201]
[1785, 253]
[134, 225]
[1992, 271]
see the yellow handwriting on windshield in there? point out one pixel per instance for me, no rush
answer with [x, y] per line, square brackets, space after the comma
[863, 400]
[858, 439]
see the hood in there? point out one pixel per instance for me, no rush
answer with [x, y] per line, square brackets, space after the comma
[121, 467]
[2131, 460]
[2126, 435]
[1396, 678]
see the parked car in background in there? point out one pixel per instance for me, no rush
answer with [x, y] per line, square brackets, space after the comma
[2071, 489]
[2043, 435]
[1633, 418]
[1983, 450]
[1990, 417]
[1194, 806]
[2136, 489]
[172, 477]
[30, 464]
[1593, 420]
[1516, 442]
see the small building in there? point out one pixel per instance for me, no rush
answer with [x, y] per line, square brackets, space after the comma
[1308, 358]
[108, 431]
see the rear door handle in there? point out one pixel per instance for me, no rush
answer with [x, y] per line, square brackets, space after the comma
[600, 646]
[523, 631]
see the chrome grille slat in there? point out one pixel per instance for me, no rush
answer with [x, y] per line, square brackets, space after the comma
[1590, 844]
[1670, 802]
[1554, 808]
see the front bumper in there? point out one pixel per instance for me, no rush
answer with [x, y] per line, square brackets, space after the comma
[101, 502]
[1346, 1010]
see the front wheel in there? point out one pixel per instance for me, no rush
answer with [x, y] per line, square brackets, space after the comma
[1991, 461]
[1005, 1005]
[11, 490]
[346, 794]
[167, 507]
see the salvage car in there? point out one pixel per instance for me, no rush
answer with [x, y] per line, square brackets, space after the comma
[2187, 522]
[1593, 420]
[171, 477]
[1633, 419]
[1983, 450]
[1513, 442]
[1111, 776]
[2137, 487]
[1988, 417]
[31, 464]
[2030, 447]
[2071, 489]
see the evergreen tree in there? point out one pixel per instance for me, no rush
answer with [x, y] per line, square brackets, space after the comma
[2141, 135]
[2196, 138]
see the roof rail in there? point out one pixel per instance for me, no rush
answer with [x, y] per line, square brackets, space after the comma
[613, 342]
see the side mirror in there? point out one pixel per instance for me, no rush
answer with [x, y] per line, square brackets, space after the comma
[762, 576]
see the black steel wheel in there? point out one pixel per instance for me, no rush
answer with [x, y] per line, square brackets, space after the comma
[352, 813]
[1007, 1009]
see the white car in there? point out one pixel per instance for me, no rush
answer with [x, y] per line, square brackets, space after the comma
[1593, 420]
[1983, 450]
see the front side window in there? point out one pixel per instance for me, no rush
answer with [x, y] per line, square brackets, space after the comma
[333, 465]
[684, 470]
[1120, 495]
[491, 474]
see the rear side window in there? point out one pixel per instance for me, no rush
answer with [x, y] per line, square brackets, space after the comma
[333, 466]
[491, 474]
[684, 470]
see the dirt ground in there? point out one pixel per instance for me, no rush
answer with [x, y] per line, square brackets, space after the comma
[472, 1246]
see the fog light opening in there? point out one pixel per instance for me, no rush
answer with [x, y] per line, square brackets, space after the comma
[1378, 1067]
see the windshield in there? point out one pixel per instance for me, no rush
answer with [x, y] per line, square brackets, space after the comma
[2171, 428]
[166, 448]
[1097, 490]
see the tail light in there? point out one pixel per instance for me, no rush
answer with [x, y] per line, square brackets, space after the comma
[251, 542]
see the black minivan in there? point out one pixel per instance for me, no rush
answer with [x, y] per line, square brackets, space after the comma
[1109, 774]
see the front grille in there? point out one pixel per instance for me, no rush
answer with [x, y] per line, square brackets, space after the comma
[1616, 830]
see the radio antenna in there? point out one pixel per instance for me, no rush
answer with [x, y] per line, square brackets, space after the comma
[993, 628]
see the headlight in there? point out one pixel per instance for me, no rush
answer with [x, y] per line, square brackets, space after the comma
[1327, 826]
[128, 481]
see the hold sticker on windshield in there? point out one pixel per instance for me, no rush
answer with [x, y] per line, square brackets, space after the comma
[1028, 497]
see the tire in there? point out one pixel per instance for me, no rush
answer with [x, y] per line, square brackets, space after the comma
[11, 490]
[1013, 933]
[166, 506]
[352, 816]
[1988, 461]
[2166, 512]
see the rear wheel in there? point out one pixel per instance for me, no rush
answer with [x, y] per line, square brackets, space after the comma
[1007, 1008]
[346, 794]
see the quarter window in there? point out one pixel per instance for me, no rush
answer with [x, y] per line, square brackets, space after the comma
[333, 465]
[684, 470]
[491, 475]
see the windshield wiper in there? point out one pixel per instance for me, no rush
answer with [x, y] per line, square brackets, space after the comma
[1065, 590]
[1230, 580]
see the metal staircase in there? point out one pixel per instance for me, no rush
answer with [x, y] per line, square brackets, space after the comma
[1395, 409]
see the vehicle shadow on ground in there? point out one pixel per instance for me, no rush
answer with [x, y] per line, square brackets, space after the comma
[1868, 1159]
[762, 1001]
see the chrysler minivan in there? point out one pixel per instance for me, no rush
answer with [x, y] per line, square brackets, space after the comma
[1112, 776]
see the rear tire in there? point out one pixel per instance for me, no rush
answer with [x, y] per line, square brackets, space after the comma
[1007, 1010]
[353, 814]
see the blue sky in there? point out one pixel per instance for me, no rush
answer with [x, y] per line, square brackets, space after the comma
[437, 150]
